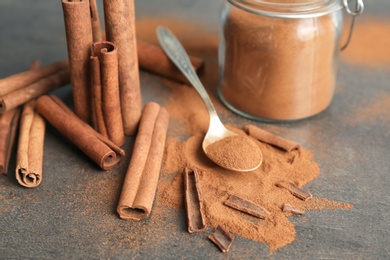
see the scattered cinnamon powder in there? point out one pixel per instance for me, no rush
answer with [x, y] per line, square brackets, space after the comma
[370, 43]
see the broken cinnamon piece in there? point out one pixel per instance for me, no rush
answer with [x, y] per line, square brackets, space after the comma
[105, 92]
[78, 30]
[290, 209]
[29, 156]
[20, 80]
[34, 90]
[222, 238]
[97, 147]
[8, 126]
[246, 206]
[120, 29]
[152, 58]
[295, 190]
[193, 201]
[269, 138]
[140, 184]
[95, 22]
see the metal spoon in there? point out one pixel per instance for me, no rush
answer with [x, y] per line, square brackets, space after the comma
[216, 131]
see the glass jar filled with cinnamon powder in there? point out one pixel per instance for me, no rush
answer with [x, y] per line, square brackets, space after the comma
[278, 58]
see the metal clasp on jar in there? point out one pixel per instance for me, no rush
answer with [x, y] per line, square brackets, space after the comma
[359, 7]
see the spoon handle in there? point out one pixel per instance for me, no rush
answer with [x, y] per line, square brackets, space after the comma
[176, 52]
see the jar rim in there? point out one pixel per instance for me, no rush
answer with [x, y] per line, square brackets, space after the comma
[285, 9]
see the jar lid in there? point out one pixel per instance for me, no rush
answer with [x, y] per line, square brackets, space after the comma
[289, 8]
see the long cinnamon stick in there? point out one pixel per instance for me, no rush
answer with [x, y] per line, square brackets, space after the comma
[34, 90]
[20, 80]
[105, 91]
[8, 126]
[79, 39]
[97, 34]
[152, 58]
[29, 156]
[270, 138]
[97, 147]
[139, 186]
[120, 29]
[193, 201]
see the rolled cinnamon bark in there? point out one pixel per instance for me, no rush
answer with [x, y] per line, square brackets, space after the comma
[8, 125]
[79, 39]
[20, 80]
[269, 138]
[97, 35]
[105, 91]
[29, 157]
[139, 186]
[120, 29]
[97, 147]
[152, 58]
[34, 90]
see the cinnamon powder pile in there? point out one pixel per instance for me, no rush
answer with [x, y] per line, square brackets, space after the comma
[188, 125]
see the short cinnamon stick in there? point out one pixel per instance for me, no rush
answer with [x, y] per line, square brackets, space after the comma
[152, 58]
[139, 186]
[105, 91]
[247, 207]
[95, 22]
[97, 147]
[8, 126]
[295, 190]
[222, 238]
[290, 209]
[78, 30]
[270, 138]
[120, 29]
[29, 156]
[193, 201]
[20, 80]
[34, 90]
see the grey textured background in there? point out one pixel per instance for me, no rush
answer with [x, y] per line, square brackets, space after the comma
[67, 217]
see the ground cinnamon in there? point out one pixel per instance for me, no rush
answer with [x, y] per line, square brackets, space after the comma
[139, 186]
[105, 91]
[276, 68]
[29, 157]
[79, 39]
[120, 29]
[101, 150]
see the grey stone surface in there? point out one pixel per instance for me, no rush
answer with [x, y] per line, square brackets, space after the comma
[71, 215]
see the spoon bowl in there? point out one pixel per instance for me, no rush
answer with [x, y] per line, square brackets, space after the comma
[224, 147]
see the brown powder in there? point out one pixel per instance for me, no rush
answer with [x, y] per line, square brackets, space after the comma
[369, 44]
[189, 117]
[286, 65]
[235, 152]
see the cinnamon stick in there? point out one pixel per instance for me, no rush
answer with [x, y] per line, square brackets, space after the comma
[290, 209]
[105, 91]
[8, 126]
[97, 34]
[97, 147]
[269, 138]
[34, 90]
[22, 79]
[78, 30]
[152, 58]
[222, 238]
[295, 190]
[29, 156]
[193, 201]
[246, 206]
[139, 186]
[120, 29]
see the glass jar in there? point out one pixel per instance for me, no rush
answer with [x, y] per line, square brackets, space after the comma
[278, 58]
